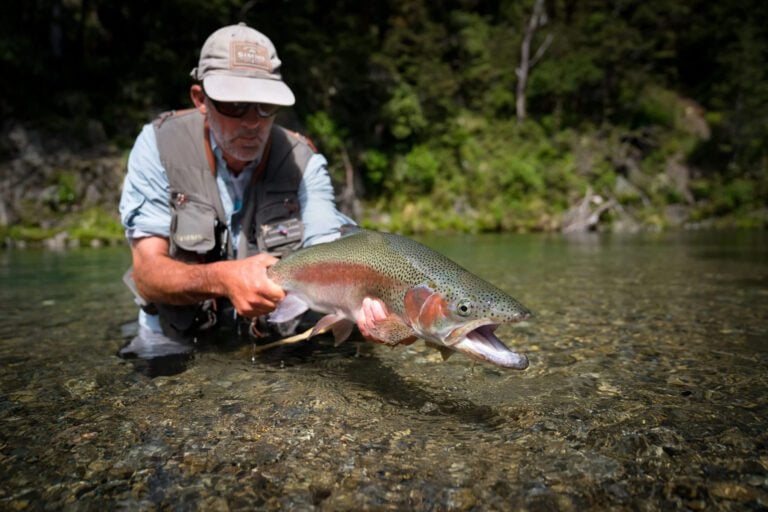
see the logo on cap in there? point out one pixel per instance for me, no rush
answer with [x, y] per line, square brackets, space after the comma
[246, 54]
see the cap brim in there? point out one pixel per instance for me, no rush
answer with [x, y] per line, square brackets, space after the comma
[251, 90]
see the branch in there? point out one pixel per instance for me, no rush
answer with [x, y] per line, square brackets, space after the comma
[541, 50]
[583, 216]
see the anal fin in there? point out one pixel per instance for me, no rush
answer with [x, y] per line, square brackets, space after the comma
[340, 326]
[341, 331]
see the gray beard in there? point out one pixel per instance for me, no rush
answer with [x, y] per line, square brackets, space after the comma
[229, 147]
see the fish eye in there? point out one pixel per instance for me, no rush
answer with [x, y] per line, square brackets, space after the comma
[464, 307]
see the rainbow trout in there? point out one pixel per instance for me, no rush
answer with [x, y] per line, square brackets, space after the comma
[428, 295]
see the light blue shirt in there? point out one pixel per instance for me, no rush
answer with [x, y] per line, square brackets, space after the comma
[145, 209]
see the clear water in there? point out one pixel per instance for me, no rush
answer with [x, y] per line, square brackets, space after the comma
[647, 390]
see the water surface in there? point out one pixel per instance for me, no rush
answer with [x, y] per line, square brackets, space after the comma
[647, 390]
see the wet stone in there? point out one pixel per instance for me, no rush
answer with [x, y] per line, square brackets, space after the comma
[733, 491]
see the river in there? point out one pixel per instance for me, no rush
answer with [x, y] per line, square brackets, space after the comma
[647, 390]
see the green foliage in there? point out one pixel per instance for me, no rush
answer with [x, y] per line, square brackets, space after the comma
[657, 106]
[420, 96]
[403, 113]
[66, 189]
[330, 139]
[376, 166]
[416, 171]
[325, 130]
[34, 234]
[94, 224]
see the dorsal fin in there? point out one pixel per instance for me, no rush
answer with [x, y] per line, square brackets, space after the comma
[349, 229]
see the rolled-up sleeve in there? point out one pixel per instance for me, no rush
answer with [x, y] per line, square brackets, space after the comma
[319, 214]
[144, 208]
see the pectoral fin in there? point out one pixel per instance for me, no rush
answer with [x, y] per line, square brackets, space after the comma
[393, 331]
[289, 308]
[444, 351]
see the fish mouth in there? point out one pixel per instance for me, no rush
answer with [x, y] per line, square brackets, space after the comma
[478, 341]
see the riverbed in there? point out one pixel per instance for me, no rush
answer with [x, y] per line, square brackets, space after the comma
[647, 390]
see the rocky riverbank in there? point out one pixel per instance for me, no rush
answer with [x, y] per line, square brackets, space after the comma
[57, 192]
[60, 190]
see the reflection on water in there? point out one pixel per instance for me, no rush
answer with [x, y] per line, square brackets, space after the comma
[646, 390]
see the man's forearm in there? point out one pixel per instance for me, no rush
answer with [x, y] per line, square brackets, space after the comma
[159, 278]
[172, 282]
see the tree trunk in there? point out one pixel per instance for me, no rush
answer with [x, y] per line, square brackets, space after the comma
[523, 71]
[349, 204]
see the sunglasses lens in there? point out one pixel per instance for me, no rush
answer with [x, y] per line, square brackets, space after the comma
[267, 110]
[232, 109]
[239, 109]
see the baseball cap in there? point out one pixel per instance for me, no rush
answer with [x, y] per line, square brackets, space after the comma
[240, 64]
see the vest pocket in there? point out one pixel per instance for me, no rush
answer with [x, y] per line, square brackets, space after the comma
[193, 224]
[278, 229]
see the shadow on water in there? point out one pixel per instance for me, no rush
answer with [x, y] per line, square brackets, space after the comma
[162, 366]
[369, 373]
[154, 355]
[365, 373]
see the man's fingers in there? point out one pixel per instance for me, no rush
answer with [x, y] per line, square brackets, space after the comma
[371, 312]
[256, 308]
[377, 310]
[368, 315]
[274, 293]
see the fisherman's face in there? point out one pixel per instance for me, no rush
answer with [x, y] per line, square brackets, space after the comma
[240, 138]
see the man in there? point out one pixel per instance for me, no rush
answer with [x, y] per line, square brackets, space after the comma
[214, 194]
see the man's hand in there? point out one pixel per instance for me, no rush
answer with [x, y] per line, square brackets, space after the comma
[372, 311]
[160, 278]
[247, 286]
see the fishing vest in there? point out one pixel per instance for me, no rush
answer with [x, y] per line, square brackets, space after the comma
[271, 220]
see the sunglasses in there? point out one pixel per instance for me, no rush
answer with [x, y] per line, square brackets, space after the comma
[240, 109]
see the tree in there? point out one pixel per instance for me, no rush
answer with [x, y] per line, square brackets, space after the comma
[537, 20]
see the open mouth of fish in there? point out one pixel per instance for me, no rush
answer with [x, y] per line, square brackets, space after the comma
[477, 340]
